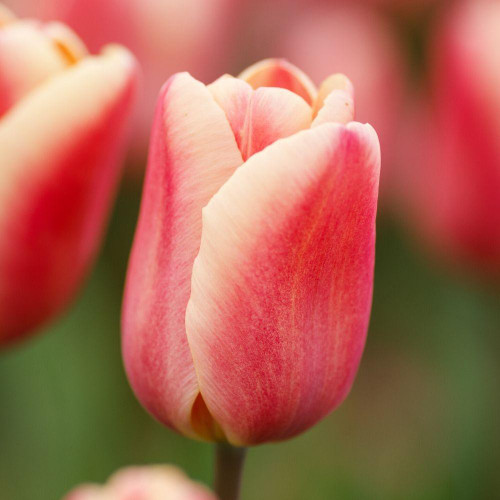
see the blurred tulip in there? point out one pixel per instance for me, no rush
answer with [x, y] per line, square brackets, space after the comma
[166, 36]
[455, 187]
[352, 38]
[62, 117]
[405, 7]
[144, 483]
[262, 336]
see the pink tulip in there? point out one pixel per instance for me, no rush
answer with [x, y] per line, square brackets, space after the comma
[249, 287]
[166, 36]
[455, 188]
[405, 7]
[62, 117]
[353, 38]
[144, 483]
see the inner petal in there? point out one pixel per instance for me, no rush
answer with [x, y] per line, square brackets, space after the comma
[335, 101]
[273, 113]
[282, 74]
[203, 423]
[334, 82]
[259, 118]
[233, 96]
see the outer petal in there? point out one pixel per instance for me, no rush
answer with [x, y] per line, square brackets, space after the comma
[281, 288]
[280, 73]
[193, 152]
[29, 54]
[59, 149]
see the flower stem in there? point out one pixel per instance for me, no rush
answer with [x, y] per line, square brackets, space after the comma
[229, 462]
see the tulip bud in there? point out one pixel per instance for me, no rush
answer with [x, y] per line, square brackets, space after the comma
[144, 483]
[249, 286]
[455, 188]
[62, 121]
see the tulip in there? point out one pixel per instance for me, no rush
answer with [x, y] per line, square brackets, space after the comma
[144, 483]
[249, 285]
[166, 36]
[406, 8]
[353, 38]
[62, 124]
[455, 186]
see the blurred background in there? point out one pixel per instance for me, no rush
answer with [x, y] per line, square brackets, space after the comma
[422, 419]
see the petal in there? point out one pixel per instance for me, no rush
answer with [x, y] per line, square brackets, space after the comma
[335, 101]
[6, 16]
[144, 483]
[281, 288]
[60, 148]
[193, 152]
[337, 81]
[29, 54]
[156, 483]
[66, 41]
[89, 492]
[273, 114]
[259, 118]
[233, 96]
[280, 73]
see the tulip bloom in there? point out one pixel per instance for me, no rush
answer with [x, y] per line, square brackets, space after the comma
[249, 286]
[166, 36]
[456, 186]
[144, 483]
[62, 118]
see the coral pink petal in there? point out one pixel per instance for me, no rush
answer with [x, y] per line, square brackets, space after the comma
[280, 73]
[281, 288]
[60, 148]
[193, 152]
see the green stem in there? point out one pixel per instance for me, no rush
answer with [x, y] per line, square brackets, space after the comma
[229, 462]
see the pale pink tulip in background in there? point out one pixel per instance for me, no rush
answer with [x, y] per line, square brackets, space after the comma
[62, 122]
[249, 286]
[144, 483]
[166, 36]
